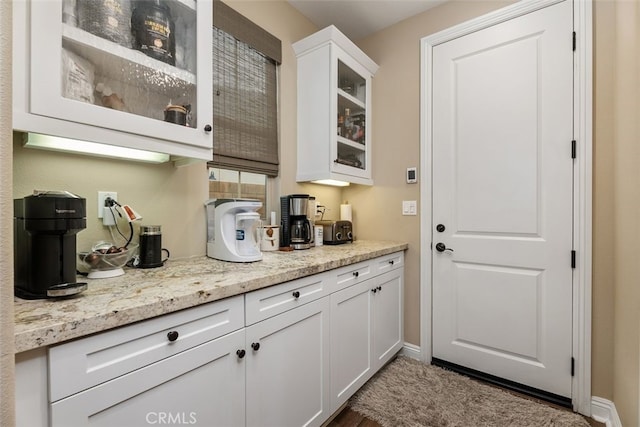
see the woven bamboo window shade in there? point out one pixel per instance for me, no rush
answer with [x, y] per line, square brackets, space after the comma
[245, 94]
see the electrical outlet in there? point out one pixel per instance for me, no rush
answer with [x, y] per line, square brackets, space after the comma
[102, 196]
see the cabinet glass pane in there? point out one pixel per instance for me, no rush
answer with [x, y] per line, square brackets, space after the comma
[351, 117]
[135, 56]
[351, 82]
[350, 155]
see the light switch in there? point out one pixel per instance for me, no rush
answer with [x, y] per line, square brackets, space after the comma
[409, 207]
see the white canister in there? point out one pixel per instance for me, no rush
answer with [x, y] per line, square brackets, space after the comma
[318, 233]
[270, 238]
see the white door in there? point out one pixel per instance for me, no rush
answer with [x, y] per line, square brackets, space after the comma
[502, 189]
[287, 368]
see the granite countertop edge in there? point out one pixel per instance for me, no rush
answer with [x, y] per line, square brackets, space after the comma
[181, 284]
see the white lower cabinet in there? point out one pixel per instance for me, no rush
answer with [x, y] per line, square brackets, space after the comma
[285, 356]
[200, 386]
[366, 331]
[287, 368]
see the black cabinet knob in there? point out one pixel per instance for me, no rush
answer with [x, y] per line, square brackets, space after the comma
[379, 288]
[356, 274]
[440, 228]
[207, 128]
[374, 290]
[391, 262]
[255, 346]
[240, 353]
[296, 294]
[172, 336]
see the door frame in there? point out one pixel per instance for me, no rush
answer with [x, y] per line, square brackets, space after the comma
[582, 183]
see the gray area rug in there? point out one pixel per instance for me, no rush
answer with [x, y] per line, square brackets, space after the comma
[408, 392]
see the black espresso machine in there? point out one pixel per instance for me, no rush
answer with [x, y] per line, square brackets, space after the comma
[45, 225]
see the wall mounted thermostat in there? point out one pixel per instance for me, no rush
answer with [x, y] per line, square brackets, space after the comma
[412, 175]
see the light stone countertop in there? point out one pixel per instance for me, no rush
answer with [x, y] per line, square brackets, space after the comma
[145, 293]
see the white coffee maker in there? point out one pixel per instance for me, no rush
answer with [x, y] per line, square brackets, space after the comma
[233, 229]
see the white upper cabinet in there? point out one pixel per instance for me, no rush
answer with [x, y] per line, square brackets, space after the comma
[334, 108]
[131, 73]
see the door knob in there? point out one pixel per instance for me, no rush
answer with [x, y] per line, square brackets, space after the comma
[440, 247]
[440, 228]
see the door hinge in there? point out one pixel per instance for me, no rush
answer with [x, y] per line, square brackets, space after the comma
[573, 149]
[574, 41]
[573, 259]
[573, 367]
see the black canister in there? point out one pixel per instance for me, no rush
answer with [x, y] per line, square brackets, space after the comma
[109, 19]
[176, 114]
[152, 29]
[150, 246]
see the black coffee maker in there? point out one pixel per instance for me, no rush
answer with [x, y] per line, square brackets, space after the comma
[295, 228]
[45, 225]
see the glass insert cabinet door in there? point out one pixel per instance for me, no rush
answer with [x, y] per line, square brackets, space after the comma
[137, 66]
[351, 135]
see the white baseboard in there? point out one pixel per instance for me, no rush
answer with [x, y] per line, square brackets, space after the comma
[411, 350]
[604, 411]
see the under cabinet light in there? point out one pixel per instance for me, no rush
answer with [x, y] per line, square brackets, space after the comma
[333, 182]
[47, 142]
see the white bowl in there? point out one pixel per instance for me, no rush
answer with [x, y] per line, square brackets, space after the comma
[99, 265]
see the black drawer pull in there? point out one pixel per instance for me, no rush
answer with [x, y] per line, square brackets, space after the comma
[356, 274]
[296, 294]
[391, 261]
[240, 353]
[172, 336]
[255, 346]
[379, 288]
[374, 290]
[207, 128]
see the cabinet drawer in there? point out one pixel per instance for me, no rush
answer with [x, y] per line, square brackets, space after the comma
[389, 262]
[268, 302]
[355, 273]
[86, 362]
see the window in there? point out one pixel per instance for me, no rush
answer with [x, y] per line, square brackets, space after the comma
[245, 107]
[245, 93]
[232, 184]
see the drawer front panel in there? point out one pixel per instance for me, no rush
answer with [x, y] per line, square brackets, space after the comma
[353, 274]
[268, 302]
[86, 362]
[389, 262]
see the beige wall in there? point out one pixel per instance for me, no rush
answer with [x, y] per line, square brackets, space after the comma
[162, 194]
[6, 226]
[166, 196]
[626, 210]
[616, 199]
[603, 200]
[396, 138]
